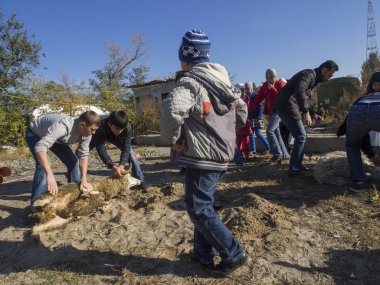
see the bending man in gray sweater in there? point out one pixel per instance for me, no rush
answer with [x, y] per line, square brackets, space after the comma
[56, 132]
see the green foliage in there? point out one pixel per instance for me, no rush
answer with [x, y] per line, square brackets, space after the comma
[13, 125]
[371, 65]
[341, 93]
[112, 99]
[147, 122]
[18, 54]
[110, 83]
[114, 72]
[138, 75]
[71, 95]
[61, 97]
[335, 115]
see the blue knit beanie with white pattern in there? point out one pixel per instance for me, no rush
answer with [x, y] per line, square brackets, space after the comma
[195, 47]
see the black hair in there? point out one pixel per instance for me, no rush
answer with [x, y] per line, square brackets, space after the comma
[374, 78]
[330, 65]
[118, 119]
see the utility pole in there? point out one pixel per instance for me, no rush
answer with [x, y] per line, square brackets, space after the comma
[371, 31]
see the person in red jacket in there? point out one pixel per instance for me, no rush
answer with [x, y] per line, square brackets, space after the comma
[242, 135]
[268, 92]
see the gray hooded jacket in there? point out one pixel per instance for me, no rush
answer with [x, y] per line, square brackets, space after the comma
[204, 109]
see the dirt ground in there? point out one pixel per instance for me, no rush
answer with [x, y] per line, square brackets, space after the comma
[294, 231]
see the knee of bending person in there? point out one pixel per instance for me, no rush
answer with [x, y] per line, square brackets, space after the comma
[302, 137]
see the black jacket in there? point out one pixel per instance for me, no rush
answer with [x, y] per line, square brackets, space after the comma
[104, 134]
[293, 98]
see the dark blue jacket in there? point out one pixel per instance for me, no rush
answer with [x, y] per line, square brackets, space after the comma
[104, 134]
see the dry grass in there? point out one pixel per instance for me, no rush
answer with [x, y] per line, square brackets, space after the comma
[18, 153]
[59, 277]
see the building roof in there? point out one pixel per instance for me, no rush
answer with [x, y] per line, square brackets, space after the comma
[151, 83]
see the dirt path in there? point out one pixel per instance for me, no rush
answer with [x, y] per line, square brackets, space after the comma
[295, 232]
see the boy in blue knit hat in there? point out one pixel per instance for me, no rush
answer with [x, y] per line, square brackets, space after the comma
[199, 118]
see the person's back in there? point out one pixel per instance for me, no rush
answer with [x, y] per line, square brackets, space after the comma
[41, 125]
[361, 120]
[209, 129]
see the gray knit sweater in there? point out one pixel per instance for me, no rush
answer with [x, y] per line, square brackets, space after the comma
[59, 128]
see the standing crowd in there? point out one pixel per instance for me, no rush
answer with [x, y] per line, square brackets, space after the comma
[209, 122]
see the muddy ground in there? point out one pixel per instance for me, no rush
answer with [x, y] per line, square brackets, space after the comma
[294, 231]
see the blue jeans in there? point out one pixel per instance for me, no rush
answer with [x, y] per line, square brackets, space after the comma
[260, 136]
[237, 157]
[297, 130]
[63, 152]
[361, 119]
[210, 234]
[276, 143]
[136, 169]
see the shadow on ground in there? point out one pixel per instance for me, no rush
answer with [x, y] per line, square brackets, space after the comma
[347, 266]
[29, 254]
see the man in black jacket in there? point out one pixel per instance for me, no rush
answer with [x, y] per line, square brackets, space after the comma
[116, 130]
[292, 106]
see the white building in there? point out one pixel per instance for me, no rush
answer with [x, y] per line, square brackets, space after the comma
[150, 95]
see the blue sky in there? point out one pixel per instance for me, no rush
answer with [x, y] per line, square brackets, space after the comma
[247, 36]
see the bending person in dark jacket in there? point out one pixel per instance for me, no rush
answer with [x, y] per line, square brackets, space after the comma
[361, 119]
[292, 106]
[365, 144]
[116, 130]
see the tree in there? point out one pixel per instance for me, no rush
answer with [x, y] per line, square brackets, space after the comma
[138, 75]
[18, 54]
[371, 65]
[13, 125]
[18, 57]
[111, 82]
[120, 60]
[61, 97]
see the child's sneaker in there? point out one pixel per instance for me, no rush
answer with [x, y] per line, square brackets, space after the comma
[226, 268]
[357, 187]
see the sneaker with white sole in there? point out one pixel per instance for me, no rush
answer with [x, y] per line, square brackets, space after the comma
[357, 187]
